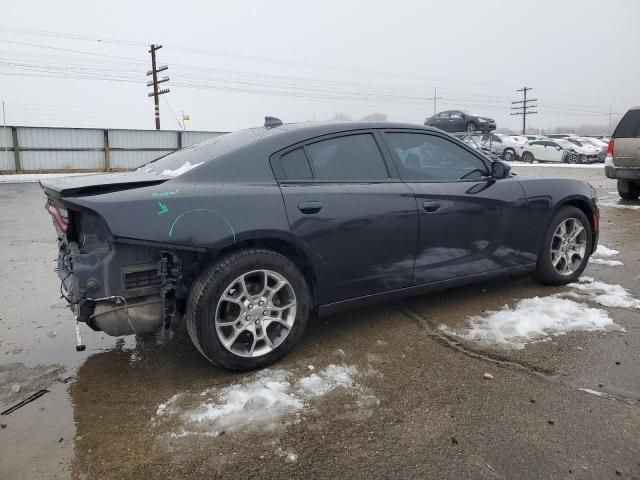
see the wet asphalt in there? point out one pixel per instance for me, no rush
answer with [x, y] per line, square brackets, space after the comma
[435, 414]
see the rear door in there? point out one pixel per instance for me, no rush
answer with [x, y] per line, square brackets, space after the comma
[537, 149]
[469, 223]
[553, 152]
[626, 151]
[350, 213]
[456, 121]
[442, 120]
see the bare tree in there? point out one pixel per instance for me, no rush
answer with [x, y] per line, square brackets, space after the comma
[375, 117]
[341, 117]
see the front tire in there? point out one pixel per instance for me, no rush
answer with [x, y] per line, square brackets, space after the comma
[471, 127]
[565, 249]
[628, 190]
[527, 157]
[248, 309]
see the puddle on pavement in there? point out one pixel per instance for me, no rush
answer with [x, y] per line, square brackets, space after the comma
[106, 410]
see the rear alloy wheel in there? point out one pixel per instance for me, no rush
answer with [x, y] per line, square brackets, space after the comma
[628, 190]
[527, 157]
[566, 248]
[471, 127]
[509, 155]
[248, 310]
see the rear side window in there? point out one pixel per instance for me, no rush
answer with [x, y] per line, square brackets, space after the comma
[629, 126]
[354, 157]
[295, 165]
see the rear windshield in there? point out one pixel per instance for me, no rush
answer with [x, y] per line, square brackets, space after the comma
[629, 126]
[188, 158]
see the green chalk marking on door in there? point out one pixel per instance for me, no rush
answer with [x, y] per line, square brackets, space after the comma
[162, 209]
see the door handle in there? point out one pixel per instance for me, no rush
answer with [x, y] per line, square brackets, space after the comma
[431, 206]
[310, 207]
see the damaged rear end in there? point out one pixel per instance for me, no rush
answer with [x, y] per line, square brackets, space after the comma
[113, 285]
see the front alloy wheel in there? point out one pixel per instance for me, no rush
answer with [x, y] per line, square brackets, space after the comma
[568, 246]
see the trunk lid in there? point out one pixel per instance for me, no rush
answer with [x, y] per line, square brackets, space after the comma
[85, 185]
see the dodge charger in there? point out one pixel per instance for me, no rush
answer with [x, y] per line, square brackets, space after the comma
[247, 236]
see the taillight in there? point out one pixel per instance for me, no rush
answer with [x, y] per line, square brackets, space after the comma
[610, 148]
[596, 221]
[61, 221]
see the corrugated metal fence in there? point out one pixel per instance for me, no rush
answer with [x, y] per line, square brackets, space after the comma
[44, 149]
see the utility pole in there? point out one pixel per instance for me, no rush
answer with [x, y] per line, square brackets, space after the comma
[435, 98]
[155, 82]
[523, 107]
[611, 114]
[4, 123]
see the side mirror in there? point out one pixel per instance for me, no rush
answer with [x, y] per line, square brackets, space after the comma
[500, 169]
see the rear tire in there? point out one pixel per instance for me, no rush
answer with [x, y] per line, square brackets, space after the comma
[509, 155]
[549, 273]
[239, 272]
[628, 190]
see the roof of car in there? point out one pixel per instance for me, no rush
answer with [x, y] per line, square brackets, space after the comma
[295, 132]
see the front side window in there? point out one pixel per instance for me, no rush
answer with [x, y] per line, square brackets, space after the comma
[425, 158]
[456, 114]
[349, 158]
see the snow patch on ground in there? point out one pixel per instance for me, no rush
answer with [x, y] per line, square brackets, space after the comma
[540, 318]
[609, 263]
[289, 456]
[606, 294]
[603, 251]
[559, 165]
[532, 319]
[594, 392]
[36, 177]
[269, 399]
[619, 205]
[185, 167]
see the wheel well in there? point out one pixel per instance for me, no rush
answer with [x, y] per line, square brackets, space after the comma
[584, 206]
[286, 249]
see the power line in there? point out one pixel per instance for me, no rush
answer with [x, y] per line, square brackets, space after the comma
[524, 108]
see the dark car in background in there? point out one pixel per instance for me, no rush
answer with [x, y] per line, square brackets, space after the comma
[249, 235]
[461, 121]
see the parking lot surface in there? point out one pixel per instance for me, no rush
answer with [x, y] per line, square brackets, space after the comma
[419, 388]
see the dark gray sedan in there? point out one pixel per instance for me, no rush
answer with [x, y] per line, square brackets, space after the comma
[461, 121]
[249, 235]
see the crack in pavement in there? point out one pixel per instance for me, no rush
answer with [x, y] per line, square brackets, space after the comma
[503, 361]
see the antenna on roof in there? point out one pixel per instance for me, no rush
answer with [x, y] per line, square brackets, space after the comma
[270, 122]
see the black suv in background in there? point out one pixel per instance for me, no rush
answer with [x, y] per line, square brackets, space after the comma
[461, 121]
[623, 155]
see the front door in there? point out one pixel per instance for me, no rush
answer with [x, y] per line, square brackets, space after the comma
[470, 223]
[351, 217]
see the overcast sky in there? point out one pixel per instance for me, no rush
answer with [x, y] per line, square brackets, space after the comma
[302, 60]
